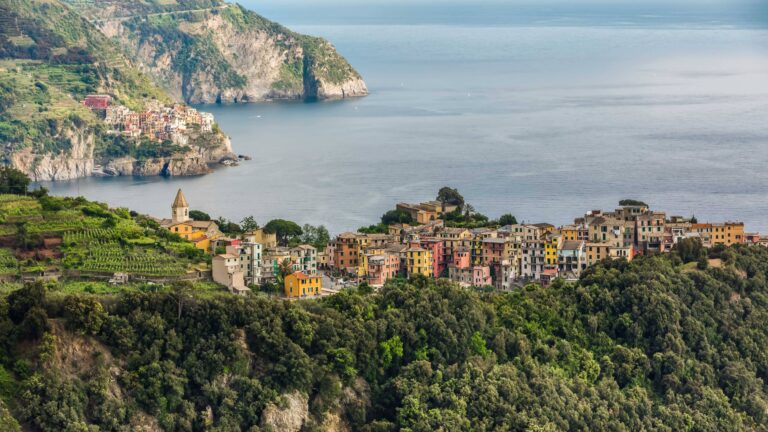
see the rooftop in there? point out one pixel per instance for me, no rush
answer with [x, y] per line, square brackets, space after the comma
[180, 200]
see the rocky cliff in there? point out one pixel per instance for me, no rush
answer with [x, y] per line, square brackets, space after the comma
[227, 54]
[82, 160]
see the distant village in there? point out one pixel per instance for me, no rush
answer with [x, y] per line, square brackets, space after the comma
[501, 257]
[157, 122]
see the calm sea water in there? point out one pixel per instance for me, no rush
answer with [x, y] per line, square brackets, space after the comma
[544, 112]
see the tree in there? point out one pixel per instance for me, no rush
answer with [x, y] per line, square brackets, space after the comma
[284, 230]
[632, 202]
[84, 314]
[690, 250]
[284, 268]
[228, 227]
[13, 181]
[249, 224]
[396, 216]
[507, 219]
[199, 215]
[469, 210]
[24, 239]
[447, 195]
[317, 236]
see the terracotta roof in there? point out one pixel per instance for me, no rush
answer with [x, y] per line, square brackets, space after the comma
[301, 275]
[180, 201]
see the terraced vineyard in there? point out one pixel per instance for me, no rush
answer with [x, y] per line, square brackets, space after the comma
[94, 239]
[90, 236]
[8, 262]
[109, 256]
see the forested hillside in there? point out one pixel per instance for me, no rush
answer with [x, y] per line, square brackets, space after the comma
[655, 344]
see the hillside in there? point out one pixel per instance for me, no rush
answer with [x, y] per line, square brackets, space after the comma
[651, 345]
[73, 237]
[208, 51]
[50, 59]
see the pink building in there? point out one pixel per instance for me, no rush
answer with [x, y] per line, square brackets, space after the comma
[470, 276]
[462, 258]
[437, 247]
[481, 276]
[382, 268]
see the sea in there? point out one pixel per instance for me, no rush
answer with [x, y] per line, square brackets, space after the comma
[542, 109]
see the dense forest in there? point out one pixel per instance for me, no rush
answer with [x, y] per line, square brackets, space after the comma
[653, 344]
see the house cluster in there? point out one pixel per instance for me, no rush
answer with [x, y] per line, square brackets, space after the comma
[501, 257]
[253, 258]
[510, 255]
[157, 122]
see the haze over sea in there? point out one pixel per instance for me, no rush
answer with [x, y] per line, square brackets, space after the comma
[541, 109]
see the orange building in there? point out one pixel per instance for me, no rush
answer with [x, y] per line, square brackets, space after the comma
[299, 284]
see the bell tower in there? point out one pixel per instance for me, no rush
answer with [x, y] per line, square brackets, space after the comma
[179, 208]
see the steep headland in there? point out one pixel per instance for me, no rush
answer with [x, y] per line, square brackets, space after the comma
[212, 51]
[51, 59]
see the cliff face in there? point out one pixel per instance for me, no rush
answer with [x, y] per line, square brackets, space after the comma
[230, 55]
[81, 161]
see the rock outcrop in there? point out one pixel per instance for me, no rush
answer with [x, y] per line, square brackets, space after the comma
[231, 55]
[75, 163]
[80, 160]
[290, 416]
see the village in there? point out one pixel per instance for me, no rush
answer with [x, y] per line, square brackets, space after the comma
[502, 257]
[156, 123]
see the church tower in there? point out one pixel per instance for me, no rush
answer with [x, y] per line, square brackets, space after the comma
[180, 208]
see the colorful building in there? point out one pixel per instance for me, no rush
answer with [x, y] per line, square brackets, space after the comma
[298, 285]
[97, 101]
[552, 243]
[419, 261]
[382, 267]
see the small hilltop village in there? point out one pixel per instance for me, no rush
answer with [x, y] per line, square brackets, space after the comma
[502, 257]
[157, 122]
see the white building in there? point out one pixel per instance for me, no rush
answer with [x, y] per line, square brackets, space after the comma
[249, 256]
[304, 259]
[572, 259]
[533, 259]
[226, 271]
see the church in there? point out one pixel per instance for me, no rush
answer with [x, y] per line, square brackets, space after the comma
[201, 233]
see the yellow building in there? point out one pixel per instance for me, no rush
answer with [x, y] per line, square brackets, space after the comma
[299, 284]
[728, 233]
[267, 240]
[189, 232]
[419, 261]
[552, 243]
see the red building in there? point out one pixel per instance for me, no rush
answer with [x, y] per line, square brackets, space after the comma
[97, 101]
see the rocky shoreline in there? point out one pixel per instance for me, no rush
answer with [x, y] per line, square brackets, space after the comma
[80, 162]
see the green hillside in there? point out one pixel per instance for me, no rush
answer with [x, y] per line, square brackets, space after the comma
[83, 239]
[50, 59]
[651, 345]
